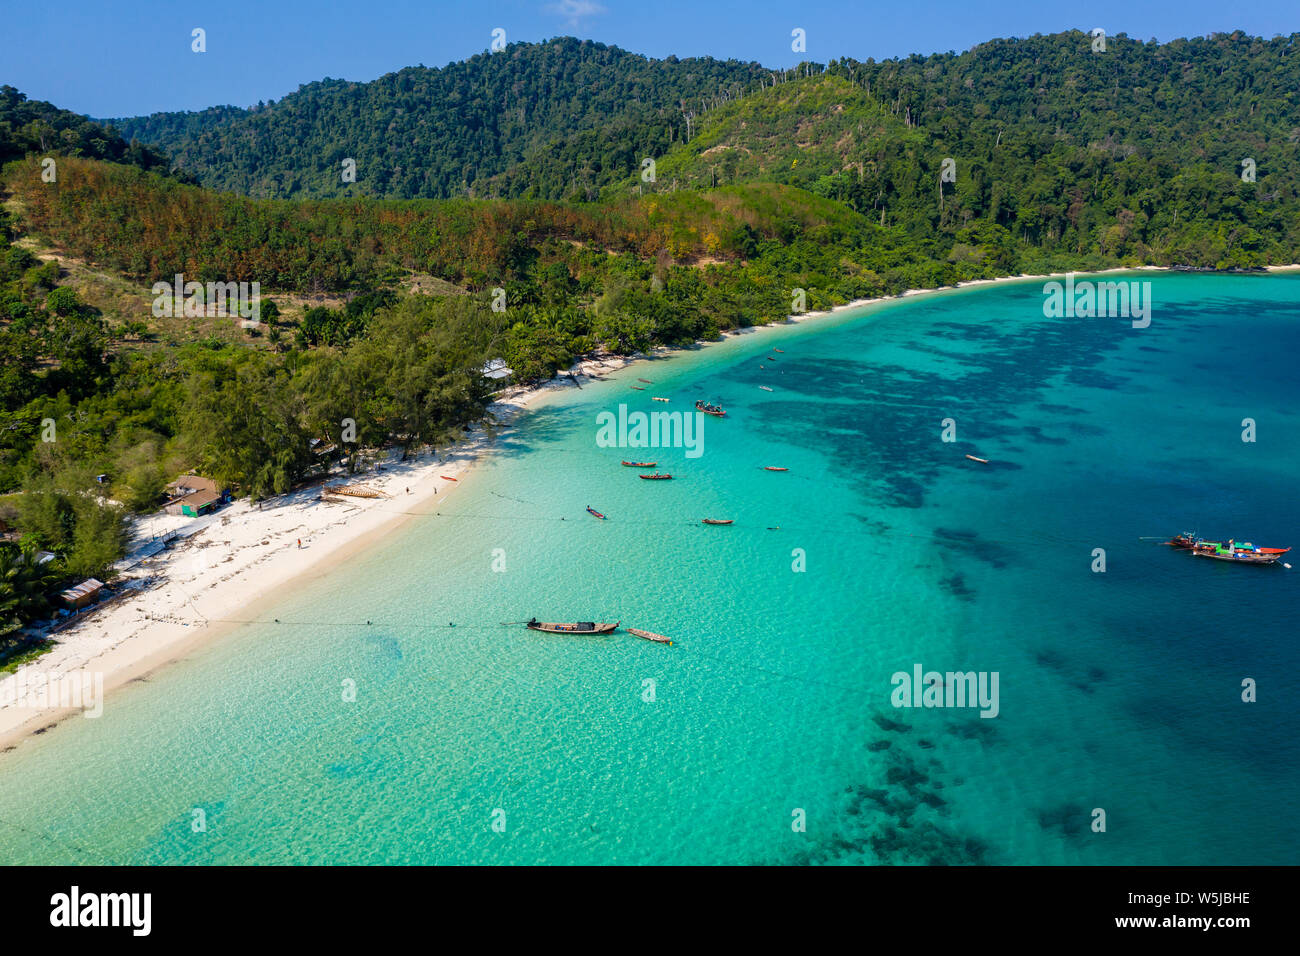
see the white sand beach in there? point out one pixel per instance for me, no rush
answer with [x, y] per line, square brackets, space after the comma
[240, 563]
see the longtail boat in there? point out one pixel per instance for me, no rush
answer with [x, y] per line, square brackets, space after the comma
[646, 380]
[446, 477]
[982, 461]
[774, 468]
[719, 520]
[640, 464]
[658, 399]
[593, 511]
[1245, 553]
[782, 351]
[708, 409]
[639, 388]
[655, 477]
[766, 388]
[578, 627]
[650, 635]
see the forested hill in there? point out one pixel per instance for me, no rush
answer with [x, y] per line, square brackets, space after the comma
[1138, 152]
[436, 133]
[33, 126]
[567, 119]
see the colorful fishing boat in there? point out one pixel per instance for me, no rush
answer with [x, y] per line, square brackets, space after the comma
[719, 520]
[650, 635]
[593, 511]
[446, 477]
[640, 464]
[655, 477]
[774, 468]
[710, 409]
[578, 627]
[1245, 553]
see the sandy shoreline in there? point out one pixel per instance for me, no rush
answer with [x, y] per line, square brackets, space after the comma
[223, 576]
[227, 574]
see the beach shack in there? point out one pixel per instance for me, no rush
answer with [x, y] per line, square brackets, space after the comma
[496, 369]
[87, 592]
[193, 496]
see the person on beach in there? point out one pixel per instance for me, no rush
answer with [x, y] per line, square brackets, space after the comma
[300, 544]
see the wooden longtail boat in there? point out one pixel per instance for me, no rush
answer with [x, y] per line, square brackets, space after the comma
[593, 511]
[638, 388]
[646, 380]
[774, 468]
[1245, 553]
[982, 461]
[658, 399]
[766, 388]
[719, 520]
[650, 635]
[640, 464]
[708, 409]
[655, 477]
[578, 627]
[447, 477]
[782, 351]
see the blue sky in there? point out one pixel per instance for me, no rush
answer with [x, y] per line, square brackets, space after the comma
[128, 57]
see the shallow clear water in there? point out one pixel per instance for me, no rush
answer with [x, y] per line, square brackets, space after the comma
[1118, 690]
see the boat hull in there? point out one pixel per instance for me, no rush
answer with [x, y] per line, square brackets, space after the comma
[1249, 554]
[1242, 557]
[650, 635]
[577, 627]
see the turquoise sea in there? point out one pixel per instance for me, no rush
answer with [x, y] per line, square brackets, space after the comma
[1118, 690]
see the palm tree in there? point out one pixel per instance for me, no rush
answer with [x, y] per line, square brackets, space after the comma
[24, 588]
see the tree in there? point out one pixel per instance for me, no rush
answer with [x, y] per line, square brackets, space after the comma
[24, 589]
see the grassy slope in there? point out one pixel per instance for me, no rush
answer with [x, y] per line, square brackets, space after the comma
[791, 133]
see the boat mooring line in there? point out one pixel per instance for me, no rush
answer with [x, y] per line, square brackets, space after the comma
[616, 521]
[677, 644]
